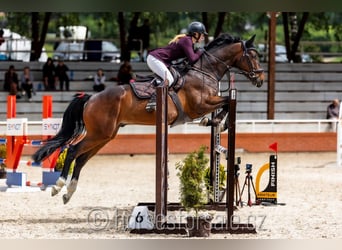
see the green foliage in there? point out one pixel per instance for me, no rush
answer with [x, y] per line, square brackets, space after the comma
[191, 171]
[2, 151]
[3, 156]
[222, 178]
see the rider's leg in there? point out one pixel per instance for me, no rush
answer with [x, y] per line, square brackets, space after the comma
[161, 70]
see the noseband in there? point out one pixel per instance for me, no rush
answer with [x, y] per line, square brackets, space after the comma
[252, 73]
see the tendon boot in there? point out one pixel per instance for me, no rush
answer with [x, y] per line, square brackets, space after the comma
[152, 103]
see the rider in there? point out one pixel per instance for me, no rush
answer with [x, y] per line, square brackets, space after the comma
[181, 46]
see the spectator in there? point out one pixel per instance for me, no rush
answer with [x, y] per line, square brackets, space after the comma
[62, 75]
[49, 75]
[144, 31]
[99, 81]
[133, 39]
[333, 113]
[26, 80]
[125, 73]
[2, 39]
[11, 81]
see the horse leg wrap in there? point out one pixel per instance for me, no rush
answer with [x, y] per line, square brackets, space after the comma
[71, 188]
[58, 187]
[204, 122]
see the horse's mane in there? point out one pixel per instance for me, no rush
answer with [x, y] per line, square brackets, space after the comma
[223, 38]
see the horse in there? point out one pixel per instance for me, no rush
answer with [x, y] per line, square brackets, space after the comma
[91, 121]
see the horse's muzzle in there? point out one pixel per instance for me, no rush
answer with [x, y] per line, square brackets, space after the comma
[258, 82]
[257, 77]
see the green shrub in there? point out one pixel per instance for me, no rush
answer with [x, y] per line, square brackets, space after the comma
[222, 179]
[3, 156]
[2, 151]
[191, 171]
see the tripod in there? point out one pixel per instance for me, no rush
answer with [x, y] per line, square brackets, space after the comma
[249, 183]
[237, 185]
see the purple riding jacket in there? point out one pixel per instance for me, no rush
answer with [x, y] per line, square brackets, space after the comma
[182, 48]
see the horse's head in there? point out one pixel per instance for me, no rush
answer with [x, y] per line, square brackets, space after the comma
[232, 51]
[249, 64]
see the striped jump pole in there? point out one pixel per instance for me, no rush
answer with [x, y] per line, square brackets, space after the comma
[16, 138]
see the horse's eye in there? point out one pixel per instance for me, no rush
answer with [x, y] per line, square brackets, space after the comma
[253, 55]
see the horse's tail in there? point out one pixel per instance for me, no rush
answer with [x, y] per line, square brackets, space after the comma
[72, 126]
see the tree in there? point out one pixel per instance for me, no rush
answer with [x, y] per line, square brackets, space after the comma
[38, 40]
[293, 32]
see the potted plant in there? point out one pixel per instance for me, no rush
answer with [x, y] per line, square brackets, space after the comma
[191, 171]
[3, 174]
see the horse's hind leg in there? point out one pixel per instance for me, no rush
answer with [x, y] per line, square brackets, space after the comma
[79, 163]
[70, 156]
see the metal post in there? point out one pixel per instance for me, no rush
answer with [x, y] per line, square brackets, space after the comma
[161, 156]
[231, 157]
[271, 65]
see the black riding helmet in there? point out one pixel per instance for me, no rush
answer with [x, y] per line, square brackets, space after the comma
[196, 27]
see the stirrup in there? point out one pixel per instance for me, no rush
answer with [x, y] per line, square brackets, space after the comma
[151, 105]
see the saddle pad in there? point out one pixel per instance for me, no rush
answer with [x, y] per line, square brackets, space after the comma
[143, 90]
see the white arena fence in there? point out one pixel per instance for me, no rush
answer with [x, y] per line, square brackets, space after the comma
[242, 126]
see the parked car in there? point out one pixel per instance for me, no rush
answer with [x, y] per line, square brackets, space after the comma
[280, 54]
[91, 50]
[69, 51]
[280, 51]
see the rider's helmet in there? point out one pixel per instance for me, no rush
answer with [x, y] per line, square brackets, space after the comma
[196, 27]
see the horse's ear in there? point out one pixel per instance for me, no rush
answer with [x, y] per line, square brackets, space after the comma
[249, 43]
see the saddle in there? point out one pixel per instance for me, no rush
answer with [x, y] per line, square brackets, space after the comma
[145, 86]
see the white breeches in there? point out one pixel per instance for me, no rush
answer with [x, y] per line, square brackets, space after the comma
[159, 68]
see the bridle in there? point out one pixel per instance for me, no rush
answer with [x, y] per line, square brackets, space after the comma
[251, 74]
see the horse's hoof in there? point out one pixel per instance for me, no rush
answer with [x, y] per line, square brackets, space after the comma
[66, 198]
[204, 122]
[222, 129]
[54, 190]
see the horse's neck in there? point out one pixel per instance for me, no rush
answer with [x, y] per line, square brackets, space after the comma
[217, 62]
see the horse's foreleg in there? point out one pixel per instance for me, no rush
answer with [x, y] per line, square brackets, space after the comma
[220, 116]
[71, 188]
[216, 120]
[64, 175]
[58, 187]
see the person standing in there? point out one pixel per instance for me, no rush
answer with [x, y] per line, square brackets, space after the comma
[61, 72]
[144, 32]
[333, 111]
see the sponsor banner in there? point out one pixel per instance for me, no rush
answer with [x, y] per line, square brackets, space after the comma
[16, 126]
[51, 126]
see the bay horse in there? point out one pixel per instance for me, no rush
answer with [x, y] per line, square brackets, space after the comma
[91, 121]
